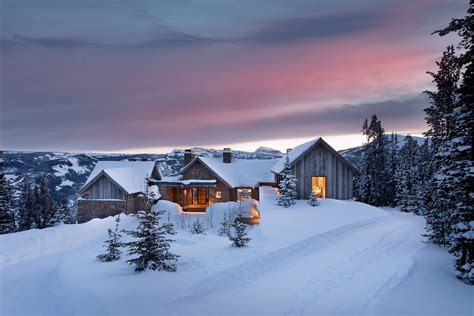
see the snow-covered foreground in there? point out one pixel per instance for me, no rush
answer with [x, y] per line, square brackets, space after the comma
[338, 258]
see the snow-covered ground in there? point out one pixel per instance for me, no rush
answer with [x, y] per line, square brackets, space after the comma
[341, 257]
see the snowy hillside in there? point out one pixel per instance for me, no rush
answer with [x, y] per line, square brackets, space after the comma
[341, 257]
[66, 171]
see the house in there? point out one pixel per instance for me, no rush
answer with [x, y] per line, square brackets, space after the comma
[115, 187]
[207, 180]
[319, 168]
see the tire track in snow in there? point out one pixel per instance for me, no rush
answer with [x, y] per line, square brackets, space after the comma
[321, 286]
[240, 275]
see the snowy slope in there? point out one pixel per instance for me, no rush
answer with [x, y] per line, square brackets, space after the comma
[341, 257]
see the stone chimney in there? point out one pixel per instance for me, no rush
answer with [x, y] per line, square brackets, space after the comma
[188, 156]
[227, 155]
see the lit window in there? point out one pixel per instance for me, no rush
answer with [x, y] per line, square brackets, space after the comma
[318, 186]
[218, 194]
[244, 194]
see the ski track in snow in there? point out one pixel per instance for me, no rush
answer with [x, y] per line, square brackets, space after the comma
[374, 242]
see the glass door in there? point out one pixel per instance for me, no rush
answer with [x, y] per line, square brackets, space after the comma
[318, 186]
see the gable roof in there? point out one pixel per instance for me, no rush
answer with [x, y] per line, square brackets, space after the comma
[238, 173]
[301, 150]
[129, 175]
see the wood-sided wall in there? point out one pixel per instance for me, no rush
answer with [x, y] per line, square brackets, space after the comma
[322, 162]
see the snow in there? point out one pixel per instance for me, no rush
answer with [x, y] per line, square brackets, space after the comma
[62, 170]
[130, 175]
[294, 154]
[342, 257]
[241, 172]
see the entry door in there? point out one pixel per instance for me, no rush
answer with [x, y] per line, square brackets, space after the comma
[318, 186]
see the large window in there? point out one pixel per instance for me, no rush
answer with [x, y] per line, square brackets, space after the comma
[244, 194]
[318, 186]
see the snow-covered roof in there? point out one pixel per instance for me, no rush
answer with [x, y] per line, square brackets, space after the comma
[130, 175]
[240, 172]
[299, 150]
[294, 154]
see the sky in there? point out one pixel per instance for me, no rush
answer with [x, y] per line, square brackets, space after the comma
[152, 75]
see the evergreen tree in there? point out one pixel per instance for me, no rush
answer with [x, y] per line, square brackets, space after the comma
[197, 227]
[440, 120]
[408, 177]
[457, 169]
[425, 173]
[226, 224]
[151, 247]
[391, 167]
[26, 220]
[371, 184]
[239, 235]
[112, 244]
[45, 207]
[313, 199]
[287, 186]
[7, 220]
[62, 212]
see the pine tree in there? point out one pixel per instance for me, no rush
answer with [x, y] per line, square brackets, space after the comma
[112, 244]
[226, 224]
[197, 227]
[287, 186]
[408, 177]
[26, 220]
[45, 207]
[457, 169]
[239, 235]
[62, 212]
[313, 199]
[425, 173]
[440, 120]
[391, 167]
[151, 249]
[371, 184]
[7, 220]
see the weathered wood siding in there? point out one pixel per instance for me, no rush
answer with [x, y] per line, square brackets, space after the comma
[320, 162]
[103, 188]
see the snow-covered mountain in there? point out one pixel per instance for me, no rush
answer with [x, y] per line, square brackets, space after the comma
[66, 172]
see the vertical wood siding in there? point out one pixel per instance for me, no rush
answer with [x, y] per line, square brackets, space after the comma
[103, 188]
[321, 162]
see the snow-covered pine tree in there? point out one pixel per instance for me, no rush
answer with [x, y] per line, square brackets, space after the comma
[440, 120]
[62, 212]
[458, 168]
[26, 220]
[391, 167]
[371, 184]
[408, 177]
[45, 205]
[112, 244]
[313, 199]
[224, 229]
[7, 219]
[287, 185]
[151, 247]
[425, 173]
[197, 227]
[239, 235]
